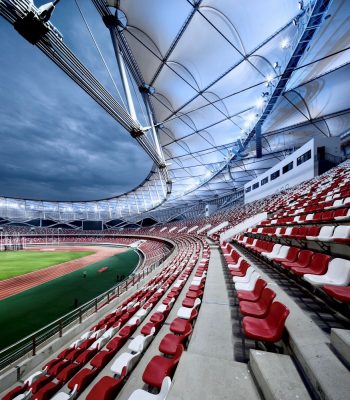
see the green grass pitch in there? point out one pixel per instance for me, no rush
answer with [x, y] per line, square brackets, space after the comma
[14, 263]
[27, 312]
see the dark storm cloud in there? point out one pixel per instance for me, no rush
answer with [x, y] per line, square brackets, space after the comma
[55, 142]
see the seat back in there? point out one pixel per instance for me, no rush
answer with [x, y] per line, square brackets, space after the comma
[339, 271]
[267, 297]
[283, 251]
[178, 353]
[259, 286]
[277, 316]
[304, 257]
[342, 232]
[313, 230]
[319, 263]
[293, 253]
[244, 266]
[164, 390]
[326, 231]
[276, 248]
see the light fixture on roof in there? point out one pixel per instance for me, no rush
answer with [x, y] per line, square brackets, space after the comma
[301, 5]
[45, 11]
[269, 80]
[285, 43]
[259, 103]
[276, 65]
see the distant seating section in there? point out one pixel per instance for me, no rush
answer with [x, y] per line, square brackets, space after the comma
[80, 363]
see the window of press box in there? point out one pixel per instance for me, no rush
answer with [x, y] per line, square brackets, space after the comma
[275, 175]
[248, 189]
[264, 181]
[287, 167]
[256, 185]
[304, 157]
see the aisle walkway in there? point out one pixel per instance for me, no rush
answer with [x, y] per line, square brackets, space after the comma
[207, 370]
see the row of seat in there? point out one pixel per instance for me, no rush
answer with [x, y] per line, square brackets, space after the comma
[318, 269]
[159, 370]
[263, 318]
[341, 214]
[43, 384]
[327, 233]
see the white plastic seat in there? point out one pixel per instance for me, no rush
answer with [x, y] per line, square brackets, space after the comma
[338, 273]
[325, 234]
[140, 342]
[185, 312]
[127, 360]
[141, 314]
[237, 265]
[24, 396]
[341, 232]
[282, 253]
[109, 333]
[66, 396]
[274, 252]
[248, 285]
[99, 343]
[140, 394]
[309, 217]
[244, 278]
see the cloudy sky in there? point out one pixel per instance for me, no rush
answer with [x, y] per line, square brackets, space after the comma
[56, 143]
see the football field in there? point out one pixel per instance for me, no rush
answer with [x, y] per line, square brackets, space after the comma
[15, 263]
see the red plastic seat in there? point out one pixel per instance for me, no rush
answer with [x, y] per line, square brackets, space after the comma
[39, 383]
[15, 392]
[179, 326]
[86, 344]
[106, 388]
[292, 255]
[270, 328]
[101, 359]
[170, 342]
[260, 308]
[193, 294]
[68, 372]
[245, 295]
[340, 293]
[127, 331]
[157, 317]
[302, 261]
[83, 378]
[159, 367]
[116, 344]
[188, 302]
[57, 367]
[85, 356]
[47, 391]
[317, 266]
[242, 270]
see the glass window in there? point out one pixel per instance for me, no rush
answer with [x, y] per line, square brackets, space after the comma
[248, 189]
[275, 175]
[287, 167]
[264, 181]
[304, 157]
[256, 185]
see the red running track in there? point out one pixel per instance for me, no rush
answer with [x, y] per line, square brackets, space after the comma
[18, 284]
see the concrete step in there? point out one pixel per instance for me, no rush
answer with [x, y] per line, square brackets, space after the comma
[206, 378]
[277, 376]
[340, 340]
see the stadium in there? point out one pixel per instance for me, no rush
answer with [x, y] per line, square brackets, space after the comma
[175, 200]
